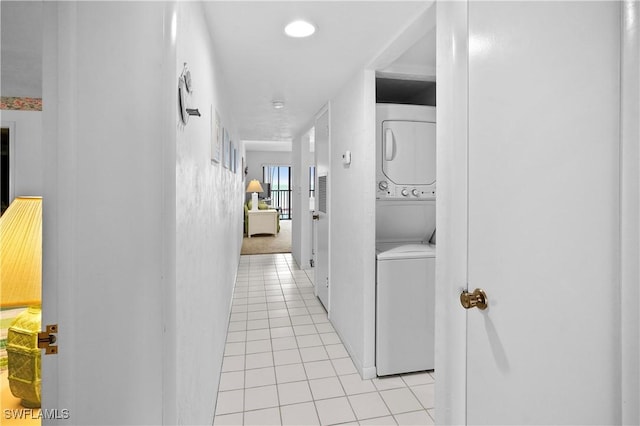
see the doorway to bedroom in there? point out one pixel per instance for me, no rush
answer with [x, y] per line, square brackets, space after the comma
[272, 169]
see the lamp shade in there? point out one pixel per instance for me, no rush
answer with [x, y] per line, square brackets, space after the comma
[20, 281]
[254, 186]
[21, 253]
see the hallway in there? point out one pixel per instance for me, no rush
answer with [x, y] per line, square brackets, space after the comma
[284, 363]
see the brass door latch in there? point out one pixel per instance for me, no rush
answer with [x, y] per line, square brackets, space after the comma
[477, 299]
[46, 339]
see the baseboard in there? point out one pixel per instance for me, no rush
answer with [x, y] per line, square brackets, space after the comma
[366, 372]
[369, 373]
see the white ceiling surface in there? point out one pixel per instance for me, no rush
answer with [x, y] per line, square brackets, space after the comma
[254, 145]
[418, 62]
[261, 64]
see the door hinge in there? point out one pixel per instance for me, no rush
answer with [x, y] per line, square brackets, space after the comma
[46, 340]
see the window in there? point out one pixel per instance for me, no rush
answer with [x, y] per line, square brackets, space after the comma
[278, 179]
[312, 181]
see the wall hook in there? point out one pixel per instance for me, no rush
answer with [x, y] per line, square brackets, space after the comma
[184, 87]
[186, 75]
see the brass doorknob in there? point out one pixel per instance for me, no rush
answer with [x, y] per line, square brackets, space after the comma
[477, 299]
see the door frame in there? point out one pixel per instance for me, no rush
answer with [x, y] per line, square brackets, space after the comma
[325, 109]
[11, 125]
[452, 211]
[630, 212]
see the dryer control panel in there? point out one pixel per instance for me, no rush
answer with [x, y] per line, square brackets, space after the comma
[390, 190]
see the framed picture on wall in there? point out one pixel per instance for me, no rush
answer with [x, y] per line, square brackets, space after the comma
[232, 158]
[216, 136]
[235, 160]
[227, 149]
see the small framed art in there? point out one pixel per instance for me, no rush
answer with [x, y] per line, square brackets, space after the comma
[216, 136]
[227, 149]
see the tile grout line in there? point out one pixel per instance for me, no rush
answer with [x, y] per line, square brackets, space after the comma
[300, 296]
[273, 360]
[315, 407]
[302, 362]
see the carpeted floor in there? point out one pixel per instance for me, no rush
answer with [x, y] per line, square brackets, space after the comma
[264, 244]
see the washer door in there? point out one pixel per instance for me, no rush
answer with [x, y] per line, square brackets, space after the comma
[405, 315]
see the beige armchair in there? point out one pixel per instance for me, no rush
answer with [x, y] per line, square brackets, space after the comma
[263, 223]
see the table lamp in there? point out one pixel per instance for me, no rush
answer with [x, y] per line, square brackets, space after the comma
[254, 187]
[21, 285]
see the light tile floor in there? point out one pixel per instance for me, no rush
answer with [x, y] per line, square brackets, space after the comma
[285, 364]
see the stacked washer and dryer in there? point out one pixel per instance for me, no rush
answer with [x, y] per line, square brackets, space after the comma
[405, 238]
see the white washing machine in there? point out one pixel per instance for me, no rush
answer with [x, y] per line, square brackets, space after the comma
[405, 286]
[405, 306]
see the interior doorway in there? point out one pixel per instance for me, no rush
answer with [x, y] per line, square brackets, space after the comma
[6, 170]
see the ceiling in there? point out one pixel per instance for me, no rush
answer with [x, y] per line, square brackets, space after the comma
[419, 60]
[266, 65]
[259, 62]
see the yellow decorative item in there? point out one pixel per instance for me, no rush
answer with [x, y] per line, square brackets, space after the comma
[21, 285]
[21, 253]
[25, 357]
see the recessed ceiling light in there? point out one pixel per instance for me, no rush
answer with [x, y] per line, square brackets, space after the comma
[299, 29]
[278, 104]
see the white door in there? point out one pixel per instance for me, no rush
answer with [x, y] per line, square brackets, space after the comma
[105, 279]
[321, 213]
[543, 212]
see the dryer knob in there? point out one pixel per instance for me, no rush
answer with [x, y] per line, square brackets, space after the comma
[383, 185]
[415, 193]
[404, 192]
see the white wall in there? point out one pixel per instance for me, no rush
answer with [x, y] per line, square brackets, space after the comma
[352, 226]
[21, 40]
[26, 161]
[296, 197]
[141, 233]
[209, 217]
[257, 159]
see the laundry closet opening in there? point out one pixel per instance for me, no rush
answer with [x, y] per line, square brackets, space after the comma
[405, 226]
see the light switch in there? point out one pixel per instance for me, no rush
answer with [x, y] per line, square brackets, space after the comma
[346, 157]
